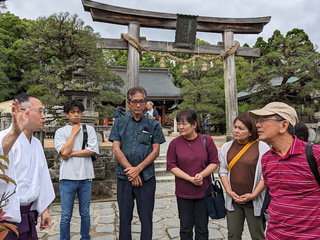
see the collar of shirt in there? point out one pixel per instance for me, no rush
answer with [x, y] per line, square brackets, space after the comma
[150, 112]
[143, 116]
[295, 148]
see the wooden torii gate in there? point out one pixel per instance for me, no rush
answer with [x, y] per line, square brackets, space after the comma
[135, 19]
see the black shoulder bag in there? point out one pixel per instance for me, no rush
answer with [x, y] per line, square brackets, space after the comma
[312, 162]
[85, 141]
[215, 201]
[314, 169]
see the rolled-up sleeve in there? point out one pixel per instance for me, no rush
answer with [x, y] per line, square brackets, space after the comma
[59, 140]
[92, 140]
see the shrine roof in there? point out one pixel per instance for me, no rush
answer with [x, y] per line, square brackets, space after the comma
[157, 82]
[274, 82]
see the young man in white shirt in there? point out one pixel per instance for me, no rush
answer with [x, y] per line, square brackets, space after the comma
[76, 168]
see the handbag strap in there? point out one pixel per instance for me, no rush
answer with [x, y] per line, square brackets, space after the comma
[312, 162]
[236, 158]
[85, 136]
[205, 144]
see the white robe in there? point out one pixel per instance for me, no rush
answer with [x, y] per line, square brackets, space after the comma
[28, 167]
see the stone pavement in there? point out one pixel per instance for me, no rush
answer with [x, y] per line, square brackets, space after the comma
[105, 218]
[105, 226]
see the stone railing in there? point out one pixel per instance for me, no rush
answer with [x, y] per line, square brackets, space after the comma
[313, 132]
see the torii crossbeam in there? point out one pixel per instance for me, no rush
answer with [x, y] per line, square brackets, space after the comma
[138, 18]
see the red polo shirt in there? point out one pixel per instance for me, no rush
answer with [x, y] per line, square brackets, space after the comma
[295, 194]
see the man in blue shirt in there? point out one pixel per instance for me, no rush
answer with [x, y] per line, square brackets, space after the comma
[151, 112]
[207, 123]
[136, 144]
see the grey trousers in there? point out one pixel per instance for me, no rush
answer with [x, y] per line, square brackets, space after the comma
[235, 222]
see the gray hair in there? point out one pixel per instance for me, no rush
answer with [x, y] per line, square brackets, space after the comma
[151, 103]
[134, 90]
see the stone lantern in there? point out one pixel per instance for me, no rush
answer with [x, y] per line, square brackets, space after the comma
[83, 91]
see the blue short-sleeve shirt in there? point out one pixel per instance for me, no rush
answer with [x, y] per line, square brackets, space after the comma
[136, 139]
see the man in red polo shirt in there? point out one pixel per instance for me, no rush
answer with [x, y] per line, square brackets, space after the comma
[294, 208]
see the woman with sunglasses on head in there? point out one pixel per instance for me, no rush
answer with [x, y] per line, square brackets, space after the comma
[241, 176]
[191, 163]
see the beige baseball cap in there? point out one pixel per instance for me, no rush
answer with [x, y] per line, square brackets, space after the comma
[280, 108]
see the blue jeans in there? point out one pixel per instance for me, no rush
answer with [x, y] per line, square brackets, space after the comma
[68, 191]
[144, 196]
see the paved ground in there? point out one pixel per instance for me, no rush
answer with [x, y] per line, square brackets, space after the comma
[104, 220]
[104, 216]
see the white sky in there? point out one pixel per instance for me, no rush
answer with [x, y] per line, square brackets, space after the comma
[285, 15]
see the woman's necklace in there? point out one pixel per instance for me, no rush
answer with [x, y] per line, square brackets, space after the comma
[190, 141]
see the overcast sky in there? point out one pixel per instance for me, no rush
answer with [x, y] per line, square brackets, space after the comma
[285, 15]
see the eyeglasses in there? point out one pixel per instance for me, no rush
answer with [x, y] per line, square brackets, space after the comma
[41, 111]
[135, 102]
[262, 120]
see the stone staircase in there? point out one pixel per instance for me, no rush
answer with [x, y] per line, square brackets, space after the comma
[160, 163]
[160, 169]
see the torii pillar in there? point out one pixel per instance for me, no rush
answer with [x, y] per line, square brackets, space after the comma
[133, 57]
[135, 19]
[230, 85]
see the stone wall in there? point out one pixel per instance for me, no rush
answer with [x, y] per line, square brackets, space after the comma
[103, 186]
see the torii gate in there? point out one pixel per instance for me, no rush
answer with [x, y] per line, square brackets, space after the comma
[138, 18]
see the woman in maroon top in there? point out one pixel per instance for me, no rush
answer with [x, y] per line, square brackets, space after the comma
[187, 159]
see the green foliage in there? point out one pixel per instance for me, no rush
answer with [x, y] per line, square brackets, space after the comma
[203, 92]
[295, 63]
[115, 57]
[4, 200]
[243, 69]
[54, 45]
[37, 56]
[12, 63]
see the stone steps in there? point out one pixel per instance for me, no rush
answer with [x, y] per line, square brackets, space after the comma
[162, 175]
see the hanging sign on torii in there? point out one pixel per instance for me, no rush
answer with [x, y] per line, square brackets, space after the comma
[186, 31]
[135, 19]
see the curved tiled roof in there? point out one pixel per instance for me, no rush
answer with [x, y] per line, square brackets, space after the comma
[157, 82]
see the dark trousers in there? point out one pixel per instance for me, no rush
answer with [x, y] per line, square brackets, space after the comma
[144, 196]
[27, 226]
[193, 212]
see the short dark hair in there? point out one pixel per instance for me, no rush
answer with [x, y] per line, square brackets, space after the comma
[301, 131]
[71, 103]
[189, 115]
[134, 90]
[290, 129]
[24, 97]
[249, 123]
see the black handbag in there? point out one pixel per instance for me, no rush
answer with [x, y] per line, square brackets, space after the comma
[215, 201]
[214, 196]
[85, 141]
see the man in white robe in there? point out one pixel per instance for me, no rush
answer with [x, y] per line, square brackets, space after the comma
[28, 167]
